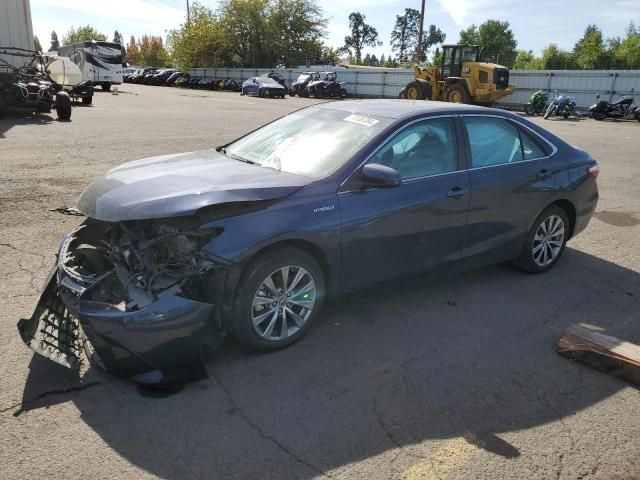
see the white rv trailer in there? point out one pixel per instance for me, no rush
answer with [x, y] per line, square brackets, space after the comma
[100, 62]
[15, 32]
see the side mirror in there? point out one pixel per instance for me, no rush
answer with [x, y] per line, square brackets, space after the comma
[378, 175]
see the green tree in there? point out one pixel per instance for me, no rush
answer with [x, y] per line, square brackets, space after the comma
[374, 60]
[497, 39]
[82, 34]
[37, 46]
[117, 38]
[382, 60]
[362, 35]
[590, 50]
[434, 36]
[55, 43]
[296, 28]
[152, 52]
[526, 60]
[404, 36]
[200, 43]
[628, 54]
[245, 26]
[554, 58]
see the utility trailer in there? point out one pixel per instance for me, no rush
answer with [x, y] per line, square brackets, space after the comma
[100, 62]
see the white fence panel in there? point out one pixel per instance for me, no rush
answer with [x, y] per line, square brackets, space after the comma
[387, 83]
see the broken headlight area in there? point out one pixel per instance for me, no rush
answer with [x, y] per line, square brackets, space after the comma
[129, 265]
[133, 296]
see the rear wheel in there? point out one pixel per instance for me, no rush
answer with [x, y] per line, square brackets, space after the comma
[292, 92]
[319, 92]
[63, 106]
[529, 110]
[106, 87]
[280, 295]
[413, 91]
[87, 100]
[599, 115]
[402, 94]
[456, 93]
[546, 241]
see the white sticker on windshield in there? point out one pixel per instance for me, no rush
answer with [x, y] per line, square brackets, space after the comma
[361, 120]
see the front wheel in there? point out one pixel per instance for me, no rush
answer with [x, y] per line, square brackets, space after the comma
[599, 115]
[63, 106]
[457, 93]
[546, 241]
[106, 87]
[280, 295]
[343, 93]
[636, 114]
[529, 110]
[87, 100]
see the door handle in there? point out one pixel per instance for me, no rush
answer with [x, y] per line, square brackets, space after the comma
[544, 174]
[457, 192]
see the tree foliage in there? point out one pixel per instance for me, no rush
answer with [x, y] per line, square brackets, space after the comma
[404, 36]
[433, 36]
[117, 38]
[55, 43]
[147, 51]
[362, 35]
[82, 34]
[497, 39]
[260, 33]
[37, 46]
[590, 52]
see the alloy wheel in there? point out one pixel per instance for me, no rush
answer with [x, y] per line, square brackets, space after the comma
[283, 303]
[548, 240]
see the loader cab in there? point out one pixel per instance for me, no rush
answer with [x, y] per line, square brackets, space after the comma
[453, 56]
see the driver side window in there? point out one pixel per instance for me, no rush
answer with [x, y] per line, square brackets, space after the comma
[422, 149]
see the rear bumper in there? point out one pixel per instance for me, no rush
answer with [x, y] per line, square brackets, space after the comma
[159, 344]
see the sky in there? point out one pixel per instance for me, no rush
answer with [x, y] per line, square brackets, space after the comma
[534, 23]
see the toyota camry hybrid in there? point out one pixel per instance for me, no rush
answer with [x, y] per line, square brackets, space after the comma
[250, 238]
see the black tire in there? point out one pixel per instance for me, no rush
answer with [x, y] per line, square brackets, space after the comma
[305, 92]
[292, 92]
[343, 93]
[261, 93]
[457, 93]
[3, 106]
[526, 260]
[599, 115]
[105, 87]
[636, 114]
[529, 110]
[87, 100]
[254, 275]
[413, 91]
[402, 94]
[319, 92]
[565, 114]
[63, 106]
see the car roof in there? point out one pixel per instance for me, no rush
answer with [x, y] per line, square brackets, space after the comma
[400, 108]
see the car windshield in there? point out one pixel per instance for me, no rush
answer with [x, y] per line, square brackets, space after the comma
[313, 142]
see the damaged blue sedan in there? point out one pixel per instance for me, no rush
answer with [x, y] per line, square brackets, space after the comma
[252, 237]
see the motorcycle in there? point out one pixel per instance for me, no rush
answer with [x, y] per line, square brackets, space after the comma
[537, 103]
[327, 87]
[624, 107]
[561, 105]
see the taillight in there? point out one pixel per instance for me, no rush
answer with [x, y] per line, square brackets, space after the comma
[593, 170]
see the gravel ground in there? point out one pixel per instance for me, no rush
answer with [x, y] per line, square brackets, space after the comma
[451, 378]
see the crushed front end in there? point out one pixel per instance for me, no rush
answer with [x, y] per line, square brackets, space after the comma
[137, 298]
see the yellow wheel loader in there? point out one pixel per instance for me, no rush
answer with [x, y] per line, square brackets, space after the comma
[461, 78]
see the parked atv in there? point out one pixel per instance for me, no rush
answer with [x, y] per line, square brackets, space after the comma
[624, 107]
[327, 86]
[561, 106]
[31, 87]
[537, 103]
[299, 87]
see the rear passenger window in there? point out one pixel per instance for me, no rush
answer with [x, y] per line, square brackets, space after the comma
[493, 141]
[530, 148]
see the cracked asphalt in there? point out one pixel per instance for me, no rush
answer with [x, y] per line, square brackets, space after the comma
[448, 378]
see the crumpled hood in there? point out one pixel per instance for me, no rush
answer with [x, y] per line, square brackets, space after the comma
[176, 185]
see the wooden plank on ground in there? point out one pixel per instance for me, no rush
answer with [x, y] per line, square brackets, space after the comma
[589, 345]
